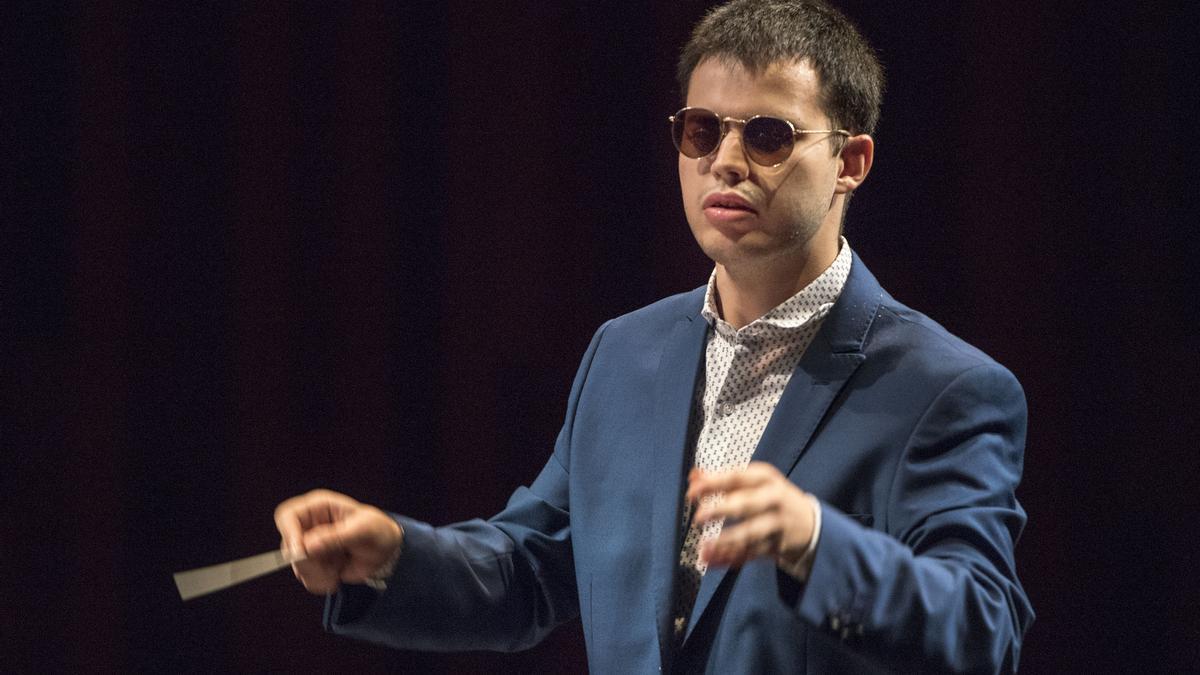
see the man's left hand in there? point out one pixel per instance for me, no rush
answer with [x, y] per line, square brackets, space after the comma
[766, 515]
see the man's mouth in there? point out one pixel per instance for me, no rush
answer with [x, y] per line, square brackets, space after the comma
[729, 201]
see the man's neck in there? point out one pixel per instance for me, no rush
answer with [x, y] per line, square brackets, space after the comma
[747, 292]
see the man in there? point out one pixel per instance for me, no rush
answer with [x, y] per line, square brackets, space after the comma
[783, 471]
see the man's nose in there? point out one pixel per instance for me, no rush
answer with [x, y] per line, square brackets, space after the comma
[729, 161]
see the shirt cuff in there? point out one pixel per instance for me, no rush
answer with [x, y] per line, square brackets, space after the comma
[800, 569]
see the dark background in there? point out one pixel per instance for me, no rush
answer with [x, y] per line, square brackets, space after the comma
[253, 250]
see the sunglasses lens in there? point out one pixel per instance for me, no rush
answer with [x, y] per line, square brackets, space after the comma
[696, 132]
[768, 140]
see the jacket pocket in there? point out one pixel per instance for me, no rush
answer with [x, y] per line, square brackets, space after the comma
[864, 519]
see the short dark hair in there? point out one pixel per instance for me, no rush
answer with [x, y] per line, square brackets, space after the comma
[757, 33]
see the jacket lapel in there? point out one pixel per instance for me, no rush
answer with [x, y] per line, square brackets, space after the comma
[678, 370]
[826, 367]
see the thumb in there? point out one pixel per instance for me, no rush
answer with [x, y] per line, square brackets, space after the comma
[323, 541]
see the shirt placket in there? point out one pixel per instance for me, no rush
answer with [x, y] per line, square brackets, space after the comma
[735, 387]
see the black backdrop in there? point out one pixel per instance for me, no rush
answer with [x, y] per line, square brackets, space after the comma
[251, 250]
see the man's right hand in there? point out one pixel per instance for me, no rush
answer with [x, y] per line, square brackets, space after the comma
[342, 540]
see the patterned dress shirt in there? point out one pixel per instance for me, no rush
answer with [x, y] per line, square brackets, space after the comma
[745, 373]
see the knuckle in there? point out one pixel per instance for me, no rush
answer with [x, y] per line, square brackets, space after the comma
[741, 538]
[775, 523]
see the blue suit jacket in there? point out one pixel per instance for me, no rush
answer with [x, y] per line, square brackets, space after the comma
[911, 438]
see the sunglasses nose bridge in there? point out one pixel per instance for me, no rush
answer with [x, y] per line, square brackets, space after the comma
[741, 152]
[728, 123]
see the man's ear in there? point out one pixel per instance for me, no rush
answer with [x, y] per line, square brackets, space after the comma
[856, 157]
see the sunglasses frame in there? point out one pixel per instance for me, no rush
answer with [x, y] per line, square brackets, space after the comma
[726, 121]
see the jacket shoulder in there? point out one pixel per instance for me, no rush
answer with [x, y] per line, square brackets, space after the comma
[932, 337]
[662, 313]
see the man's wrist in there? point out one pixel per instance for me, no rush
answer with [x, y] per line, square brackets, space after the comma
[378, 579]
[801, 567]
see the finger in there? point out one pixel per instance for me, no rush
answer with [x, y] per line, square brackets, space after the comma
[325, 506]
[745, 541]
[366, 533]
[742, 504]
[785, 529]
[290, 526]
[296, 515]
[325, 561]
[325, 541]
[319, 575]
[702, 483]
[755, 473]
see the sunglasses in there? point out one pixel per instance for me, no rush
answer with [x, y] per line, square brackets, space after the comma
[768, 141]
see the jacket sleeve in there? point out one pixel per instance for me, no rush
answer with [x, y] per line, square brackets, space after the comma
[938, 589]
[501, 584]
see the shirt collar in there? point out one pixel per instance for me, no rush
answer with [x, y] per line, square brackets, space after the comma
[813, 300]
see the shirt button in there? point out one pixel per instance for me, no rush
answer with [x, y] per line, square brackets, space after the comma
[726, 408]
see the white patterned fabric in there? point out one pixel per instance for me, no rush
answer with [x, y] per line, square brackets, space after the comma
[745, 373]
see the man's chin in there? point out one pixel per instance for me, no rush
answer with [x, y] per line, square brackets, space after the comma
[727, 248]
[735, 258]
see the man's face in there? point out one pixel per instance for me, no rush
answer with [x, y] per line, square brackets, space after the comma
[788, 209]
